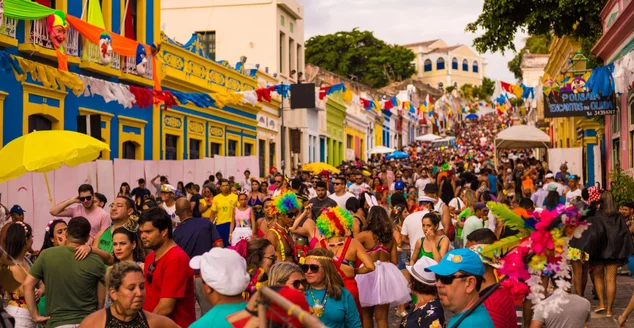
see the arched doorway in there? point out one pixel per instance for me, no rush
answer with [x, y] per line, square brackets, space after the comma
[39, 123]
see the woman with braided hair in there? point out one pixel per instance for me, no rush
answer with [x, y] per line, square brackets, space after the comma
[335, 225]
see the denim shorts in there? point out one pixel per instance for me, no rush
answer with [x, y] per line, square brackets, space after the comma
[403, 259]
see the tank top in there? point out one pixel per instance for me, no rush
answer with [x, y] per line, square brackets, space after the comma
[105, 241]
[256, 204]
[140, 321]
[430, 255]
[16, 298]
[243, 218]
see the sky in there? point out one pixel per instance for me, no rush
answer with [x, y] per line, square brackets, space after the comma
[407, 21]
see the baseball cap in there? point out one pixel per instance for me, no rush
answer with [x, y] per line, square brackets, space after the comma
[552, 186]
[417, 271]
[479, 206]
[399, 185]
[17, 209]
[222, 269]
[462, 259]
[549, 176]
[426, 199]
[168, 188]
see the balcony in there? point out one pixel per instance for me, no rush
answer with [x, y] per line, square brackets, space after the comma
[91, 60]
[38, 43]
[129, 72]
[8, 32]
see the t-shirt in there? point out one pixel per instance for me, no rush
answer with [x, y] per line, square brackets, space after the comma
[139, 194]
[318, 205]
[196, 236]
[413, 228]
[493, 180]
[572, 195]
[217, 316]
[429, 315]
[98, 218]
[340, 313]
[341, 200]
[172, 278]
[457, 203]
[105, 241]
[500, 307]
[357, 189]
[472, 224]
[196, 199]
[71, 285]
[478, 319]
[171, 211]
[223, 206]
[576, 313]
[420, 184]
[207, 213]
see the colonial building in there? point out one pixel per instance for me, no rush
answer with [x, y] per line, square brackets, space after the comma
[533, 66]
[440, 65]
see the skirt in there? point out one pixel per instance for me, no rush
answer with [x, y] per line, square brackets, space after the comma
[385, 285]
[240, 233]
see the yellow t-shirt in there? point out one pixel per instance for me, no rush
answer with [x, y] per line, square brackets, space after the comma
[206, 214]
[223, 206]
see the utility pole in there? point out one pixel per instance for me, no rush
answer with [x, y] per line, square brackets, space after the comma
[283, 137]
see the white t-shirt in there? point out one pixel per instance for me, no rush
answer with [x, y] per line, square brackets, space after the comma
[472, 224]
[439, 207]
[457, 203]
[341, 200]
[420, 184]
[571, 195]
[171, 211]
[357, 189]
[413, 228]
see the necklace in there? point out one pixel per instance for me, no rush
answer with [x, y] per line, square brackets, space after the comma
[318, 308]
[285, 229]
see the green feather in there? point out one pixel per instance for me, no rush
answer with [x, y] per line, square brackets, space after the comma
[504, 245]
[508, 217]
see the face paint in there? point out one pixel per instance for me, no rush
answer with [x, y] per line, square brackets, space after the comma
[141, 60]
[57, 29]
[105, 48]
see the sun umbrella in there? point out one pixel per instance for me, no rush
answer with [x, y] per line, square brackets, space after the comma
[316, 168]
[380, 150]
[44, 151]
[471, 116]
[428, 137]
[397, 155]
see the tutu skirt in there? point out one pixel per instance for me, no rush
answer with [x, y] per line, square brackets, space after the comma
[385, 285]
[240, 233]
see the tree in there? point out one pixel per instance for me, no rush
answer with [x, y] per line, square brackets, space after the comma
[360, 55]
[501, 19]
[466, 92]
[622, 186]
[535, 44]
[485, 91]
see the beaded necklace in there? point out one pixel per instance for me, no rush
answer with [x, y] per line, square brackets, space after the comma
[318, 309]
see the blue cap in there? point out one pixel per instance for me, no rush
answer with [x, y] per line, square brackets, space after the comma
[462, 259]
[16, 209]
[399, 185]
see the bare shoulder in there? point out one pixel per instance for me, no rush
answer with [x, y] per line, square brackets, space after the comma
[155, 320]
[96, 319]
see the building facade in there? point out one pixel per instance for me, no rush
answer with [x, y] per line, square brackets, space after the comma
[532, 75]
[441, 66]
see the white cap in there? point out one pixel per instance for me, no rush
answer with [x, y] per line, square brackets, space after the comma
[222, 269]
[426, 199]
[417, 271]
[549, 176]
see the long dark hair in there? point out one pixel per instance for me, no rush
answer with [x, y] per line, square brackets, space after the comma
[138, 254]
[552, 200]
[379, 224]
[50, 233]
[255, 252]
[17, 234]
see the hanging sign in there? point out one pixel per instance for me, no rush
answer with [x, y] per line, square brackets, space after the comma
[570, 104]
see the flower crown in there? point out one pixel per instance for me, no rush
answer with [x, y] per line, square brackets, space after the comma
[26, 230]
[50, 223]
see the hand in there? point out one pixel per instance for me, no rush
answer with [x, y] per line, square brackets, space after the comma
[37, 295]
[82, 252]
[308, 208]
[430, 235]
[40, 319]
[76, 199]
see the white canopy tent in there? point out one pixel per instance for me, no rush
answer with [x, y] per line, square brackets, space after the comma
[381, 150]
[428, 138]
[520, 137]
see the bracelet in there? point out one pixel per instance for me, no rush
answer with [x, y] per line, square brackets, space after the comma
[291, 308]
[90, 248]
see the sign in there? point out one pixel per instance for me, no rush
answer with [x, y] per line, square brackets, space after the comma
[570, 104]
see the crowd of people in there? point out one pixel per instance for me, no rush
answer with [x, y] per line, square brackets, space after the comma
[350, 247]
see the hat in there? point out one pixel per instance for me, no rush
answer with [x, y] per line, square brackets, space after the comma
[17, 209]
[325, 173]
[462, 259]
[230, 278]
[594, 194]
[431, 188]
[272, 169]
[380, 188]
[549, 176]
[426, 199]
[552, 186]
[399, 185]
[488, 261]
[417, 271]
[480, 206]
[168, 188]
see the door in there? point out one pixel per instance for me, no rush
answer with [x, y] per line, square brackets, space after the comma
[322, 150]
[262, 156]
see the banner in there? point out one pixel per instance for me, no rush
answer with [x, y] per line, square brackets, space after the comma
[570, 104]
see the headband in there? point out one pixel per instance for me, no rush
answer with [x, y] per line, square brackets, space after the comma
[50, 223]
[371, 200]
[319, 258]
[26, 230]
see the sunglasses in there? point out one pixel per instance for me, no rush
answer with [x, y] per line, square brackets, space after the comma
[337, 183]
[448, 280]
[86, 198]
[273, 257]
[276, 181]
[151, 269]
[300, 282]
[314, 268]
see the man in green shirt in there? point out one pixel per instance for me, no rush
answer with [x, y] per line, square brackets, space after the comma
[74, 289]
[120, 211]
[477, 221]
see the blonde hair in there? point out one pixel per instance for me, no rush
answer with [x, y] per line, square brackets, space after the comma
[469, 197]
[333, 281]
[116, 273]
[282, 271]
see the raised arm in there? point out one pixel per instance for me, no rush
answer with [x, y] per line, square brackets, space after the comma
[60, 209]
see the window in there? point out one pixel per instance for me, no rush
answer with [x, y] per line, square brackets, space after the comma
[262, 155]
[292, 27]
[465, 65]
[440, 64]
[299, 55]
[129, 150]
[427, 67]
[281, 54]
[231, 147]
[248, 149]
[454, 63]
[291, 57]
[616, 121]
[616, 147]
[282, 20]
[475, 66]
[348, 141]
[171, 143]
[39, 123]
[194, 149]
[131, 20]
[631, 111]
[214, 149]
[272, 154]
[208, 42]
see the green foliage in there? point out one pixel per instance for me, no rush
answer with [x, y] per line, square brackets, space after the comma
[361, 56]
[535, 44]
[485, 91]
[449, 89]
[466, 92]
[622, 187]
[502, 19]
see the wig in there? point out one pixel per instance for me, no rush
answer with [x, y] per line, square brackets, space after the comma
[285, 203]
[336, 221]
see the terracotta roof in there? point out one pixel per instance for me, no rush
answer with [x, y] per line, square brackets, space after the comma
[422, 88]
[445, 50]
[423, 44]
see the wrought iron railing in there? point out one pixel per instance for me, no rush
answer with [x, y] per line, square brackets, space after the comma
[39, 36]
[9, 26]
[129, 66]
[92, 52]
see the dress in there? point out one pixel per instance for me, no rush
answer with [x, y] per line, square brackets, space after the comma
[243, 225]
[385, 285]
[607, 240]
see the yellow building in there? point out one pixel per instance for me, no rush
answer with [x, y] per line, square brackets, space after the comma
[440, 65]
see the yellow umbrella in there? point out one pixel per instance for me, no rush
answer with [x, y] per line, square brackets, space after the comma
[316, 168]
[44, 151]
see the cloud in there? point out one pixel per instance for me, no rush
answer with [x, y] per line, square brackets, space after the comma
[406, 21]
